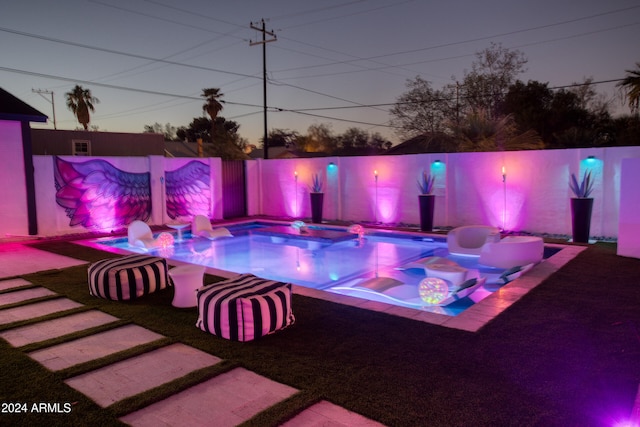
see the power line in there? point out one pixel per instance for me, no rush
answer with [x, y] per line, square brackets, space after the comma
[337, 118]
[305, 111]
[112, 51]
[116, 52]
[388, 104]
[189, 25]
[345, 15]
[450, 44]
[448, 58]
[110, 86]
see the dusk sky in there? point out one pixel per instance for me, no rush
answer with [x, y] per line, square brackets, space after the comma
[341, 63]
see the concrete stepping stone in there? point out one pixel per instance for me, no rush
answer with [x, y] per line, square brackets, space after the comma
[37, 309]
[327, 414]
[226, 400]
[138, 374]
[21, 259]
[49, 329]
[82, 350]
[24, 295]
[13, 283]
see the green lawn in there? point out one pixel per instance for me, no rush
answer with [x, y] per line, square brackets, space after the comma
[567, 353]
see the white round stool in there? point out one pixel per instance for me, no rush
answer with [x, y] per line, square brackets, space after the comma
[187, 279]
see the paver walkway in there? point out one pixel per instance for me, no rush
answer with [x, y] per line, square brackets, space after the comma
[93, 347]
[241, 393]
[137, 374]
[55, 328]
[37, 309]
[229, 398]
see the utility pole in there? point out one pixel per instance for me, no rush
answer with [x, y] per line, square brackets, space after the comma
[264, 74]
[53, 106]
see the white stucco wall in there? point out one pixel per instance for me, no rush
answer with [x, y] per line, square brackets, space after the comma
[469, 188]
[13, 213]
[629, 226]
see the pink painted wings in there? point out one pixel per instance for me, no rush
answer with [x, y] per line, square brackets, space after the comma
[96, 194]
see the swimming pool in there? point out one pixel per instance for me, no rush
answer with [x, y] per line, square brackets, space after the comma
[384, 266]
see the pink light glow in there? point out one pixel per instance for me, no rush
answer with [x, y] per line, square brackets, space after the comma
[293, 199]
[514, 216]
[388, 199]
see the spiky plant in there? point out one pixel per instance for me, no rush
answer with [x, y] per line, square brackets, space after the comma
[584, 188]
[425, 183]
[316, 184]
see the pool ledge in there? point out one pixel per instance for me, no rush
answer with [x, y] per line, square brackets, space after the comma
[474, 317]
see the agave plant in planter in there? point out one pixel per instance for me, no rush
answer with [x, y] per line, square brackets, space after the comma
[581, 207]
[427, 201]
[317, 198]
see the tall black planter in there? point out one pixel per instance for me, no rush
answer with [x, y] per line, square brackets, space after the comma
[427, 206]
[316, 207]
[581, 219]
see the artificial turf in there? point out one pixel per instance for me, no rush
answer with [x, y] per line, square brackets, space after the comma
[567, 353]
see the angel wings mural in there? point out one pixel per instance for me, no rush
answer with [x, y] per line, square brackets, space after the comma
[96, 194]
[188, 191]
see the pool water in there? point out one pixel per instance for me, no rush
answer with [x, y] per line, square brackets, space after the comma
[339, 266]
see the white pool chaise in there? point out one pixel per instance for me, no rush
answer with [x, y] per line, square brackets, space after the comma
[512, 251]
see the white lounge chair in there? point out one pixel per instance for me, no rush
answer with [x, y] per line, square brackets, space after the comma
[201, 226]
[512, 251]
[469, 239]
[140, 235]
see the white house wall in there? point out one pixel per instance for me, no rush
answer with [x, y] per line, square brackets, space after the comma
[13, 193]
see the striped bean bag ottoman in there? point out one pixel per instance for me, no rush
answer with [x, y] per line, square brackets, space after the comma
[128, 277]
[244, 308]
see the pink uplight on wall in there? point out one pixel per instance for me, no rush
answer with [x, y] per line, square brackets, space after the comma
[296, 209]
[375, 177]
[504, 189]
[509, 215]
[385, 197]
[387, 208]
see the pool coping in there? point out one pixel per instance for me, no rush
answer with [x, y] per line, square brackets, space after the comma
[471, 319]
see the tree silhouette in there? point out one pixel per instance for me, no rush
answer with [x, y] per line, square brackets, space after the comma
[631, 85]
[80, 102]
[212, 106]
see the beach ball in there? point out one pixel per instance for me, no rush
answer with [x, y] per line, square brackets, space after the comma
[165, 240]
[433, 290]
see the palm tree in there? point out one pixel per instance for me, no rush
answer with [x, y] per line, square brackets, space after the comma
[631, 84]
[80, 102]
[213, 105]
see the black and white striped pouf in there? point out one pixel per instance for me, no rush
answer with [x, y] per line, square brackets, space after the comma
[128, 277]
[244, 308]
